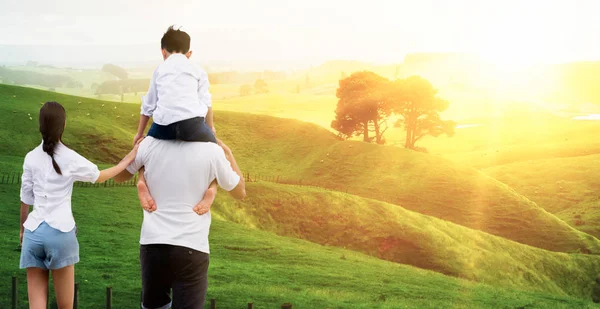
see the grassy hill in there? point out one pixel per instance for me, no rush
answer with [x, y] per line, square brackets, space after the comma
[249, 265]
[393, 233]
[430, 185]
[423, 183]
[566, 187]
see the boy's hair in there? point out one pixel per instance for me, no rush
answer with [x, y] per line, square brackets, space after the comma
[175, 41]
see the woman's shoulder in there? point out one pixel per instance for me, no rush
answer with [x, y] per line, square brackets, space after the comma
[68, 153]
[34, 153]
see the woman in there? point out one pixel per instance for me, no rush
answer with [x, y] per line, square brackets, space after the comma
[48, 232]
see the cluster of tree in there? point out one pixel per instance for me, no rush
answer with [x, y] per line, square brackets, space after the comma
[117, 71]
[260, 87]
[367, 102]
[17, 77]
[122, 85]
[247, 78]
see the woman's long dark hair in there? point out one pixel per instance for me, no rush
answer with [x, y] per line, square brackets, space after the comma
[52, 126]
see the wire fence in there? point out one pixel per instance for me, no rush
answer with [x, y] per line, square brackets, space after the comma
[15, 299]
[15, 178]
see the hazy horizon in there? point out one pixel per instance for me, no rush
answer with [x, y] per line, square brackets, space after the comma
[301, 33]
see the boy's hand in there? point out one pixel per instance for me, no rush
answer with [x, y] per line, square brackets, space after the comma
[225, 147]
[137, 137]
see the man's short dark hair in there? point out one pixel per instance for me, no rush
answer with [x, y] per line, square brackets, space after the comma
[175, 41]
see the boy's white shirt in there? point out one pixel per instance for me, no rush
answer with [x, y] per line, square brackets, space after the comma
[178, 91]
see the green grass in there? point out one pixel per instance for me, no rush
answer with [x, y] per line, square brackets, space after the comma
[565, 187]
[430, 185]
[270, 146]
[393, 233]
[252, 265]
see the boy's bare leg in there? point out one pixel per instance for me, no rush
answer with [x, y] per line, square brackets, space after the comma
[209, 197]
[144, 193]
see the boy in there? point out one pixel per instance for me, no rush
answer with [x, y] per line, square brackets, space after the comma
[180, 105]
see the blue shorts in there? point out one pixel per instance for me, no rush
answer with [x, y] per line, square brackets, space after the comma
[49, 248]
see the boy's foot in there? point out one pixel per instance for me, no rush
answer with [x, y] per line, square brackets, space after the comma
[145, 198]
[202, 208]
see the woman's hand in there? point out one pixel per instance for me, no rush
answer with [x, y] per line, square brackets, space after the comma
[130, 157]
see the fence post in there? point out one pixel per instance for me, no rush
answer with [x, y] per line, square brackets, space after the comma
[13, 179]
[286, 306]
[19, 179]
[14, 292]
[250, 305]
[75, 296]
[108, 297]
[213, 303]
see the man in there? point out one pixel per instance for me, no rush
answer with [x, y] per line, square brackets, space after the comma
[174, 251]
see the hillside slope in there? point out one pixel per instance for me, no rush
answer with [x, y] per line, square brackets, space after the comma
[566, 187]
[396, 234]
[292, 149]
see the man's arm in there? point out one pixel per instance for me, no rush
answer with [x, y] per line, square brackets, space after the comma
[239, 192]
[123, 176]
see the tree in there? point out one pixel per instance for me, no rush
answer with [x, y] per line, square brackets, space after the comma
[117, 71]
[260, 86]
[245, 90]
[362, 107]
[417, 102]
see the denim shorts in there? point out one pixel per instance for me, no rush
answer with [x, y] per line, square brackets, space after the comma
[49, 248]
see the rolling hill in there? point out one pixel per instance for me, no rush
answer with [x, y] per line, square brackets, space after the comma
[393, 233]
[566, 187]
[292, 149]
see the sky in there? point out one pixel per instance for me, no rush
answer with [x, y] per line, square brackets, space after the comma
[378, 31]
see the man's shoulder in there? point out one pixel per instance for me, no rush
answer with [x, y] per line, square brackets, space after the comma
[150, 142]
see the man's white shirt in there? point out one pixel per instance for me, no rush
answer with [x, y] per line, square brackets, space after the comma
[178, 174]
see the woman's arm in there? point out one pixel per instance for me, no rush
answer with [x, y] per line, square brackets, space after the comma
[24, 215]
[112, 172]
[119, 168]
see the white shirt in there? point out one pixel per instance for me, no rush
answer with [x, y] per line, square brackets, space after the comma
[178, 91]
[49, 192]
[178, 174]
